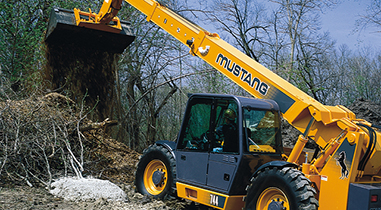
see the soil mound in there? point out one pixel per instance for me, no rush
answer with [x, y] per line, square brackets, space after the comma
[362, 108]
[367, 110]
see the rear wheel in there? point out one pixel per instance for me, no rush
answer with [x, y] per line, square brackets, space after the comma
[280, 189]
[155, 174]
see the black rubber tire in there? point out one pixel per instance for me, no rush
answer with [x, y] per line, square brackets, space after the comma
[288, 181]
[156, 153]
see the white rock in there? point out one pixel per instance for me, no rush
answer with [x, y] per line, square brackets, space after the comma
[87, 189]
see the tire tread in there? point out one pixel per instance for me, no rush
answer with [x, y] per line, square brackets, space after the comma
[149, 154]
[300, 185]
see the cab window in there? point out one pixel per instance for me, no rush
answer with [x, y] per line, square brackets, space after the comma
[226, 139]
[197, 125]
[211, 125]
[261, 128]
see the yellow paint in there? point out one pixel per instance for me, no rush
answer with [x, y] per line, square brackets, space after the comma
[334, 185]
[261, 148]
[272, 194]
[207, 197]
[155, 165]
[297, 150]
[98, 21]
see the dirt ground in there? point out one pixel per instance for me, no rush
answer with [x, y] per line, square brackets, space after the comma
[25, 197]
[120, 169]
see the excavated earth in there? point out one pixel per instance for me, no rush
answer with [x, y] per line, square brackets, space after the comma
[364, 109]
[120, 171]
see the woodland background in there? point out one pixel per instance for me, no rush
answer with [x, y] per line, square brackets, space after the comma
[145, 88]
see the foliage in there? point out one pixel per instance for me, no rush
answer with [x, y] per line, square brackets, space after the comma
[22, 24]
[22, 30]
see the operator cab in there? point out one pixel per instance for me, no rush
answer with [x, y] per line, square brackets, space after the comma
[224, 138]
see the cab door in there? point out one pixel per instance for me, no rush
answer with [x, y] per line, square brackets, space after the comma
[193, 145]
[224, 153]
[221, 169]
[208, 145]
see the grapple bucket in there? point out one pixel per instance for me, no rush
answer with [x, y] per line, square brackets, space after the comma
[62, 30]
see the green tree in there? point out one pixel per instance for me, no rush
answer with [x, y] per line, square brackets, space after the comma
[22, 29]
[22, 24]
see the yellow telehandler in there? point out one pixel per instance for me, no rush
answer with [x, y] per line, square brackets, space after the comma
[229, 152]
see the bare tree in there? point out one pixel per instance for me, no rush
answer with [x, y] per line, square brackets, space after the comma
[300, 17]
[40, 139]
[150, 60]
[314, 66]
[362, 76]
[372, 16]
[244, 20]
[303, 59]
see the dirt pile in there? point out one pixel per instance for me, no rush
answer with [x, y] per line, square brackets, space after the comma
[363, 109]
[49, 137]
[110, 159]
[34, 138]
[367, 110]
[85, 74]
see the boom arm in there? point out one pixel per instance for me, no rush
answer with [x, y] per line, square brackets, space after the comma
[109, 10]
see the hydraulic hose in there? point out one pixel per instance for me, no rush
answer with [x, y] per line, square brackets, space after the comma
[370, 148]
[376, 126]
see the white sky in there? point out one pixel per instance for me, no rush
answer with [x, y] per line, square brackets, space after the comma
[340, 22]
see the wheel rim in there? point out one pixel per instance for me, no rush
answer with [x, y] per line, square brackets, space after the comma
[155, 177]
[272, 197]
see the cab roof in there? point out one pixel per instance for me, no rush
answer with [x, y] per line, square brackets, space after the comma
[249, 102]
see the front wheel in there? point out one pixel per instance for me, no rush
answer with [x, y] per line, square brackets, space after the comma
[280, 189]
[155, 174]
